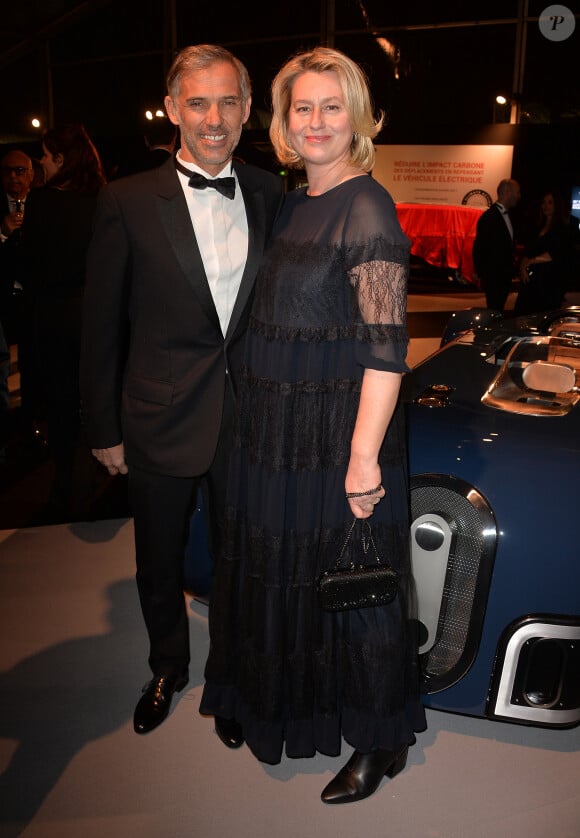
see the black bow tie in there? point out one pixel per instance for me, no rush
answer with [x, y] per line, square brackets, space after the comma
[225, 185]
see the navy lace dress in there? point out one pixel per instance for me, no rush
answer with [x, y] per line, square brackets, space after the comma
[330, 301]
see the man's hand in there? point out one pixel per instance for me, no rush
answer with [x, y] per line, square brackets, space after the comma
[11, 222]
[112, 458]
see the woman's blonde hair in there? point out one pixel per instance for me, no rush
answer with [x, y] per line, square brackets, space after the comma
[357, 100]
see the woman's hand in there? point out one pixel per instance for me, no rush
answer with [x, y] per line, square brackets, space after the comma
[361, 479]
[524, 270]
[528, 263]
[378, 399]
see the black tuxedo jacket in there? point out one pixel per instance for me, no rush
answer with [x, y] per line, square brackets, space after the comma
[154, 363]
[6, 273]
[4, 205]
[5, 208]
[10, 271]
[493, 250]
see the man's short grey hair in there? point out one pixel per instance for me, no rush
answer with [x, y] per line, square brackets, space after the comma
[200, 57]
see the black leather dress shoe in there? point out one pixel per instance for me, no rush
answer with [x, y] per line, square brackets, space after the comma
[153, 706]
[362, 774]
[229, 731]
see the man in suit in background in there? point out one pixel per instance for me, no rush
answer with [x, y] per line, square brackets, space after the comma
[17, 176]
[4, 393]
[158, 143]
[17, 172]
[170, 280]
[494, 247]
[160, 138]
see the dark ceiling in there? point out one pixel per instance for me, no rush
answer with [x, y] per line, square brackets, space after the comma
[25, 25]
[102, 62]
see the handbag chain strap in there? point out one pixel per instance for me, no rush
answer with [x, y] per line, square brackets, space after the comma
[367, 541]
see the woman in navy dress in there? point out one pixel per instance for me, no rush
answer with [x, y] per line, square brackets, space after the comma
[319, 420]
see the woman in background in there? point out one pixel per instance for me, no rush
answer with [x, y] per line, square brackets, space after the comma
[547, 267]
[55, 237]
[321, 434]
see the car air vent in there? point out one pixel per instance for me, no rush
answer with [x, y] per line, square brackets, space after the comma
[453, 543]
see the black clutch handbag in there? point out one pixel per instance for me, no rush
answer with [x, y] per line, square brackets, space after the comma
[357, 585]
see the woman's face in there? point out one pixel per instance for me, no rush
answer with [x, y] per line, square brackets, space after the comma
[319, 127]
[548, 205]
[50, 163]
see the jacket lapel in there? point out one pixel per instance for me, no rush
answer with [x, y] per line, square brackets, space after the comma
[256, 215]
[179, 231]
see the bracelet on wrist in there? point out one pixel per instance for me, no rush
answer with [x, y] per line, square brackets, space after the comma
[351, 495]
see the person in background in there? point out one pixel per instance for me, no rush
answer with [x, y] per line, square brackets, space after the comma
[156, 146]
[547, 267]
[39, 178]
[572, 292]
[494, 246]
[160, 138]
[17, 177]
[4, 393]
[171, 274]
[321, 443]
[54, 238]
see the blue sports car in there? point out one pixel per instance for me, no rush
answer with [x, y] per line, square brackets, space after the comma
[494, 448]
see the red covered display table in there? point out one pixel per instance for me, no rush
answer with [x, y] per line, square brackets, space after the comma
[442, 235]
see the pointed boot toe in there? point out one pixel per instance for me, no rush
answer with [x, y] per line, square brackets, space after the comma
[362, 775]
[229, 731]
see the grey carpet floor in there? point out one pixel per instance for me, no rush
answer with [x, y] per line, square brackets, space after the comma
[72, 660]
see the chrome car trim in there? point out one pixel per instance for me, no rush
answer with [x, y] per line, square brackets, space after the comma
[510, 390]
[508, 702]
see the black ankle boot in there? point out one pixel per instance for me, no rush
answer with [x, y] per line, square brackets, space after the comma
[362, 774]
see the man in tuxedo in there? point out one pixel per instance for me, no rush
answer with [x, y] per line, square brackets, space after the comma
[171, 271]
[494, 248]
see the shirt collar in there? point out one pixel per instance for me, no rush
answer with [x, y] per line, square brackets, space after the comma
[227, 171]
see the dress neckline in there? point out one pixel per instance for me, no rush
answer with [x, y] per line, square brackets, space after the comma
[334, 188]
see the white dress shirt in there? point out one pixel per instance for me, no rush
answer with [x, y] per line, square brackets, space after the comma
[221, 230]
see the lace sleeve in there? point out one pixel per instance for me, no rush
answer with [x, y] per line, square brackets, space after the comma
[380, 302]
